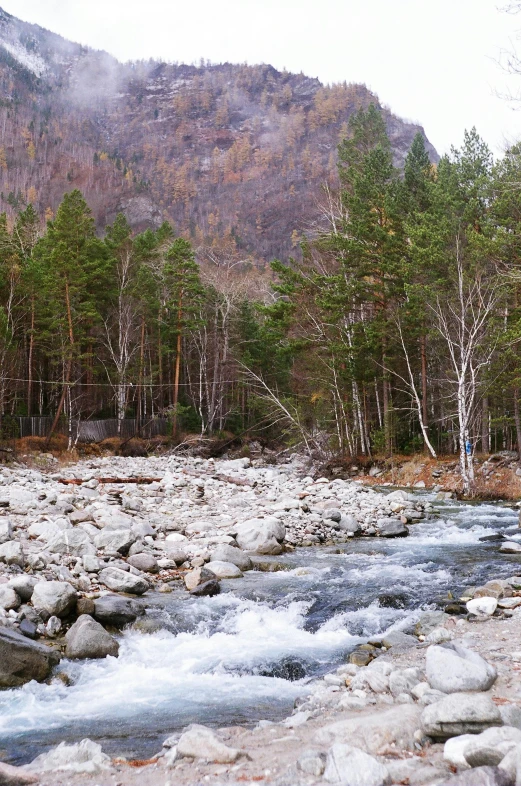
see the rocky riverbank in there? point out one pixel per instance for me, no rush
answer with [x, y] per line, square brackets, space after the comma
[84, 549]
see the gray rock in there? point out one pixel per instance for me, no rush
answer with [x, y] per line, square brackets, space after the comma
[9, 599]
[225, 570]
[396, 639]
[452, 668]
[312, 763]
[349, 524]
[88, 639]
[55, 597]
[145, 562]
[480, 776]
[91, 564]
[491, 746]
[6, 531]
[351, 766]
[208, 588]
[198, 576]
[404, 680]
[332, 514]
[510, 547]
[22, 660]
[53, 626]
[71, 541]
[231, 554]
[12, 553]
[115, 540]
[372, 732]
[199, 742]
[460, 713]
[263, 536]
[23, 585]
[116, 611]
[430, 620]
[120, 581]
[392, 528]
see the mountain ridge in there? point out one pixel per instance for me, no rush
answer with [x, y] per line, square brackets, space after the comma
[235, 156]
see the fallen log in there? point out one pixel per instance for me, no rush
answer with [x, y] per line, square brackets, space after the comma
[79, 481]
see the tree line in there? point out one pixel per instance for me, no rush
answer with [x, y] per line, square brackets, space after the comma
[397, 329]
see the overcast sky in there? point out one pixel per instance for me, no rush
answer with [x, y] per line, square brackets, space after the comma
[432, 62]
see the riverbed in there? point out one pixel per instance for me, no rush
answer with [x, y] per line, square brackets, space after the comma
[247, 654]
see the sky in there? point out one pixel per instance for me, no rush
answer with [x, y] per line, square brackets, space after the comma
[432, 62]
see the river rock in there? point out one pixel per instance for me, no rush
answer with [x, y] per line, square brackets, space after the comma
[491, 746]
[373, 731]
[232, 554]
[9, 599]
[452, 668]
[460, 713]
[208, 588]
[349, 524]
[454, 750]
[198, 576]
[404, 680]
[23, 585]
[86, 757]
[351, 766]
[510, 547]
[55, 597]
[480, 776]
[117, 611]
[12, 553]
[120, 581]
[115, 540]
[88, 639]
[15, 776]
[263, 536]
[392, 528]
[483, 607]
[144, 562]
[199, 742]
[71, 541]
[225, 570]
[22, 660]
[430, 620]
[312, 763]
[6, 530]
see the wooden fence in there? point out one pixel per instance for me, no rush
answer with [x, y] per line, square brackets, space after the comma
[94, 430]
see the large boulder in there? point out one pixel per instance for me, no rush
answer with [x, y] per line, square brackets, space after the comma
[116, 611]
[199, 742]
[22, 660]
[224, 553]
[480, 776]
[88, 639]
[491, 746]
[9, 599]
[23, 585]
[120, 581]
[71, 541]
[263, 536]
[115, 540]
[452, 668]
[351, 766]
[372, 731]
[145, 562]
[12, 553]
[58, 598]
[225, 570]
[460, 713]
[392, 528]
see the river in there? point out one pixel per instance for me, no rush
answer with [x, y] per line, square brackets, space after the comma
[249, 652]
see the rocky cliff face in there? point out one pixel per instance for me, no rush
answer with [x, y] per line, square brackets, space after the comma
[232, 154]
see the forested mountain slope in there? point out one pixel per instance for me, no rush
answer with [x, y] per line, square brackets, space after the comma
[230, 154]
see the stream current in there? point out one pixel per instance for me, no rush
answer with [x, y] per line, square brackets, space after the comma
[248, 653]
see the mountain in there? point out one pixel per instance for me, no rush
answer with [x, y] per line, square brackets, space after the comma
[233, 155]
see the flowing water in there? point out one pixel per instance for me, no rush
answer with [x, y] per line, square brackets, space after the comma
[247, 653]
